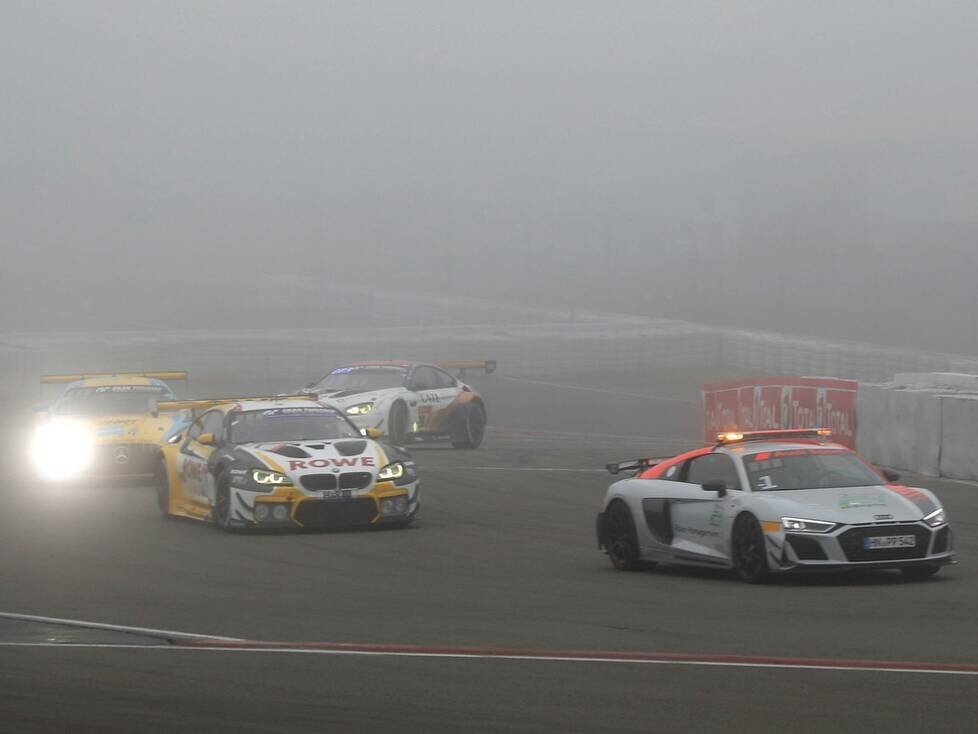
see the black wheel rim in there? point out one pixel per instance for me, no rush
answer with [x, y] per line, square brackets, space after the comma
[748, 550]
[477, 424]
[619, 534]
[162, 490]
[223, 508]
[397, 425]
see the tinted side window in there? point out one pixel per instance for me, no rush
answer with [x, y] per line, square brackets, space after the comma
[713, 467]
[213, 422]
[445, 380]
[424, 378]
[196, 429]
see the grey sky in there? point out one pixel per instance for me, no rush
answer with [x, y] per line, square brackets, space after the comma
[461, 145]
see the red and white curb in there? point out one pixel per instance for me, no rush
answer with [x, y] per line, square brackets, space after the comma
[195, 642]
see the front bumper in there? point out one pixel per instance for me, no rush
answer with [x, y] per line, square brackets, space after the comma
[384, 504]
[846, 548]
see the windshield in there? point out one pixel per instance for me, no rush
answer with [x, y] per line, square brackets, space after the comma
[111, 400]
[807, 469]
[362, 379]
[290, 424]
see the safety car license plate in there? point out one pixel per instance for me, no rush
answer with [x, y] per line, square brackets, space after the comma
[890, 541]
[334, 494]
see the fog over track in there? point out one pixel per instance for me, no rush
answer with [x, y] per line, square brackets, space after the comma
[503, 557]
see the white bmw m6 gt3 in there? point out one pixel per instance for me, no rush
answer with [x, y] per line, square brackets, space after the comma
[772, 502]
[408, 401]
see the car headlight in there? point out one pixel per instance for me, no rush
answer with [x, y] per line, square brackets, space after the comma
[937, 517]
[360, 409]
[800, 525]
[62, 449]
[392, 471]
[274, 478]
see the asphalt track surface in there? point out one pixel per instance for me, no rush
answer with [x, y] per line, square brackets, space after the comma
[502, 567]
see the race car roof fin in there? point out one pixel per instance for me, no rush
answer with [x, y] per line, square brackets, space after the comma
[159, 375]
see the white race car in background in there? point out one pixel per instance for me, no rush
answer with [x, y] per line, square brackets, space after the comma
[772, 502]
[408, 400]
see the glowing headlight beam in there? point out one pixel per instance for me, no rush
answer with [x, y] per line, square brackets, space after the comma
[62, 449]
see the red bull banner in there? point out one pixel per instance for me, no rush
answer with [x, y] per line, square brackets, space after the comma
[782, 402]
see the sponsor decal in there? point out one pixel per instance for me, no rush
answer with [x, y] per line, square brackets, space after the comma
[287, 412]
[699, 532]
[758, 404]
[717, 517]
[428, 397]
[367, 461]
[193, 470]
[848, 501]
[130, 388]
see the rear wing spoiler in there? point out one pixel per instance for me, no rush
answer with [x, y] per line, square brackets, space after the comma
[161, 375]
[631, 465]
[488, 366]
[207, 403]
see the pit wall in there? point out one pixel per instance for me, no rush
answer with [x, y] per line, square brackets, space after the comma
[924, 423]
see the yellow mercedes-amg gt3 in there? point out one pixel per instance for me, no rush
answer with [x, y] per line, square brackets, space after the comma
[103, 425]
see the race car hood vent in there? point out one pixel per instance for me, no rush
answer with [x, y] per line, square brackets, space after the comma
[350, 448]
[344, 393]
[290, 450]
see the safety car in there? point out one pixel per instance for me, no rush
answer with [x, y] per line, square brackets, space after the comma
[102, 425]
[771, 502]
[282, 462]
[409, 401]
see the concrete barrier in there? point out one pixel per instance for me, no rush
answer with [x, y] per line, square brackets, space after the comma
[959, 436]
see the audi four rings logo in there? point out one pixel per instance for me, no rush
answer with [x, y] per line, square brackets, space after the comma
[122, 455]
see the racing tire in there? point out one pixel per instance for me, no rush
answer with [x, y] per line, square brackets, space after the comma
[161, 481]
[470, 427]
[397, 424]
[221, 512]
[918, 573]
[620, 539]
[748, 550]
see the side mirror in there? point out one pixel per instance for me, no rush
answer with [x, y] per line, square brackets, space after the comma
[891, 476]
[371, 433]
[175, 438]
[207, 439]
[716, 485]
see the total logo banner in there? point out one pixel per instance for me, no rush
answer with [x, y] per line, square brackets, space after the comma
[774, 402]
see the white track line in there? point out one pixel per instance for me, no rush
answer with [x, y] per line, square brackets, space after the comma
[113, 628]
[475, 656]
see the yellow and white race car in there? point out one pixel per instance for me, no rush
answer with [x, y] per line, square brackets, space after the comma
[103, 425]
[282, 462]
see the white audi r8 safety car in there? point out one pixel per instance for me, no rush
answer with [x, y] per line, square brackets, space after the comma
[771, 502]
[409, 401]
[281, 463]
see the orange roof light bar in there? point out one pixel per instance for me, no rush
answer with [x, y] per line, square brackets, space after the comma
[785, 433]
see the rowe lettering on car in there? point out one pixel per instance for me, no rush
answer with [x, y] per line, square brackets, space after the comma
[326, 463]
